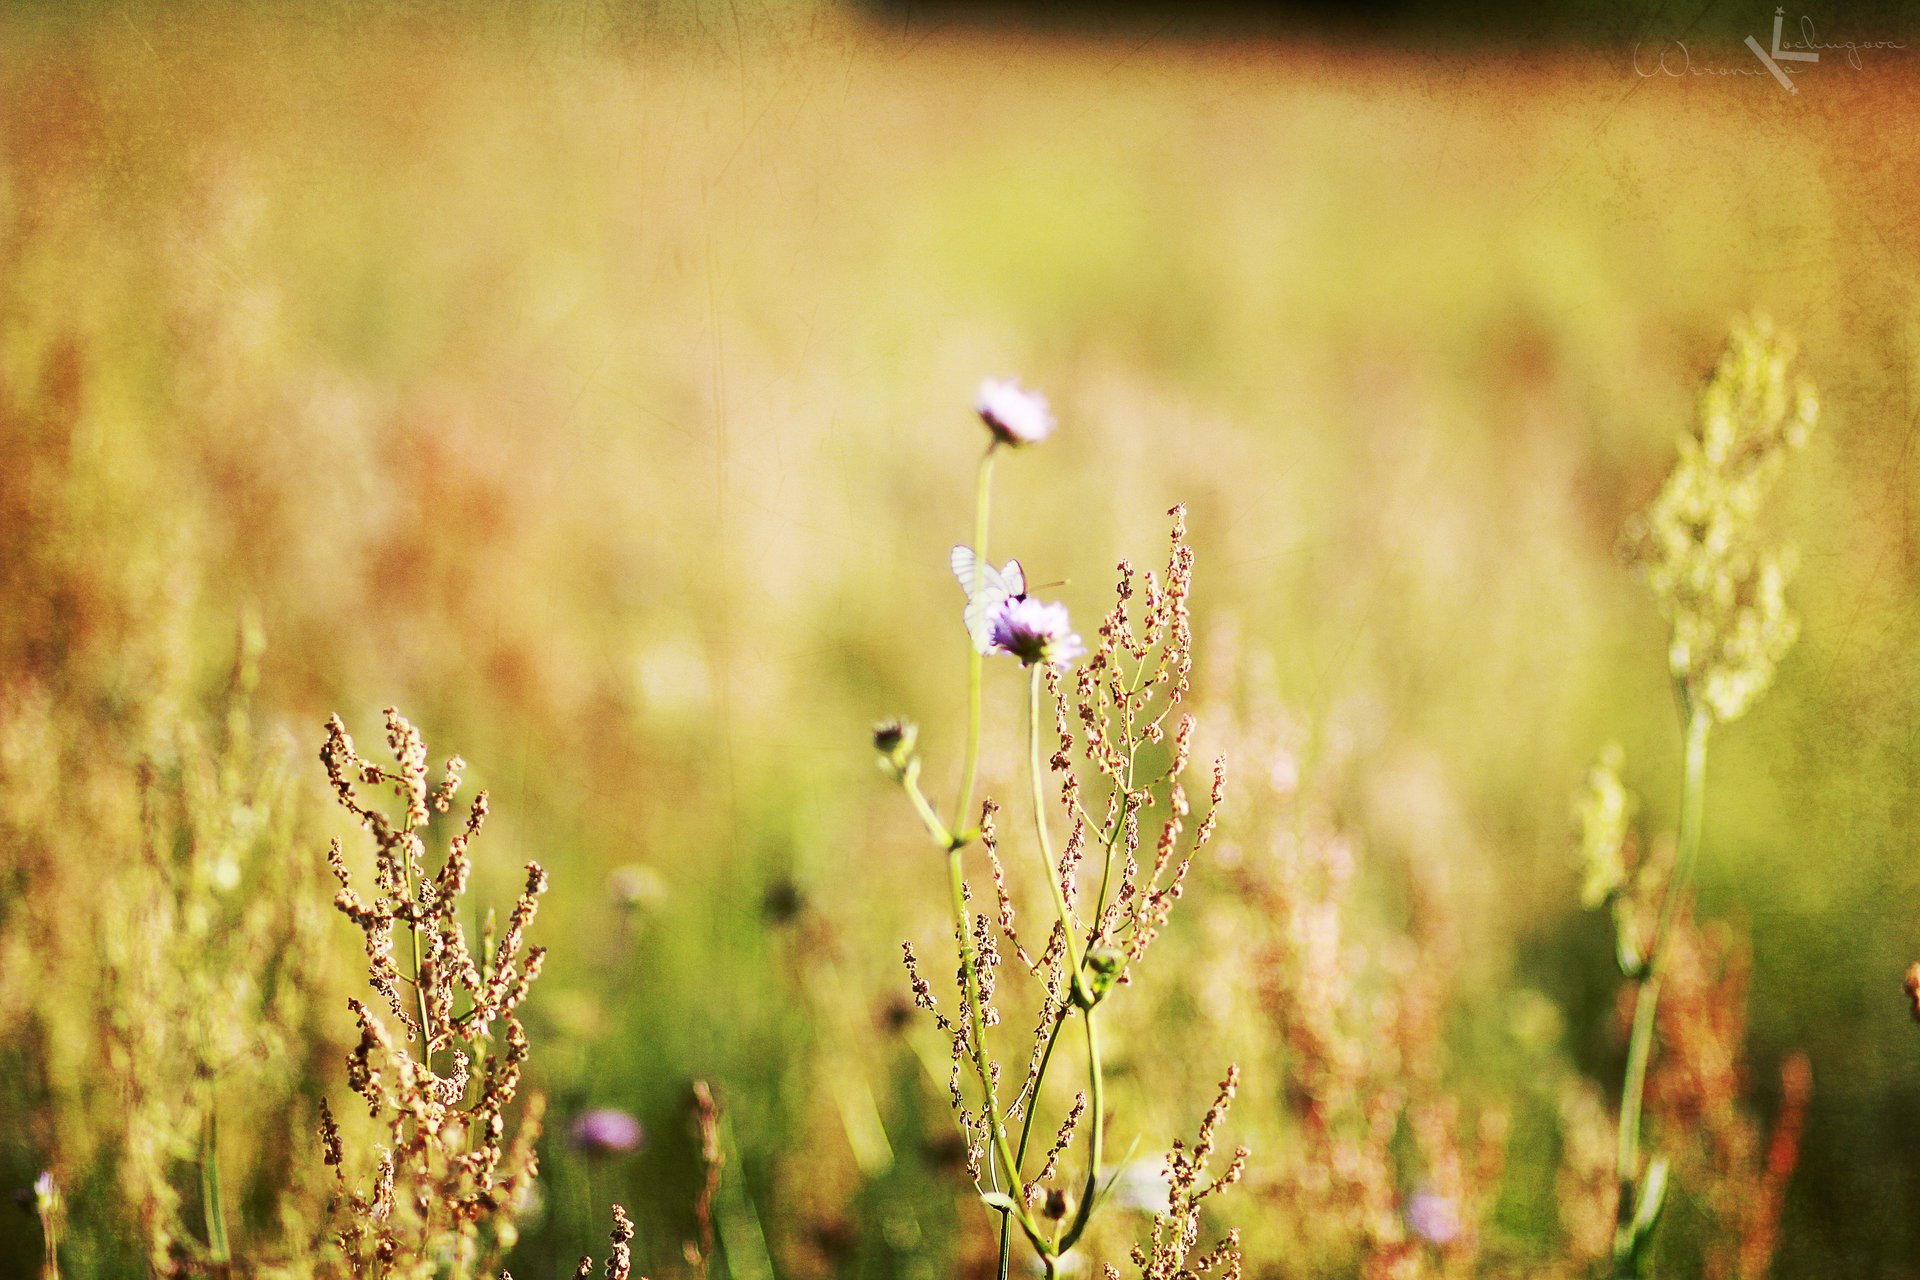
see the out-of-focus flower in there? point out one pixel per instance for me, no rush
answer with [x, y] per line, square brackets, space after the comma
[636, 886]
[1035, 632]
[606, 1131]
[1141, 1185]
[1720, 582]
[1433, 1217]
[1602, 811]
[1015, 415]
[1535, 1022]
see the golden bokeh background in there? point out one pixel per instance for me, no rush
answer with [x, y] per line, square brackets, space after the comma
[596, 387]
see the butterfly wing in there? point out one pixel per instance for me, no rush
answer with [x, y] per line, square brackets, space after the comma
[978, 616]
[1014, 579]
[963, 561]
[986, 589]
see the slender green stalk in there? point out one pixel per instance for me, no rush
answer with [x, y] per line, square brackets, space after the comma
[742, 1237]
[1096, 1082]
[1036, 776]
[1646, 1003]
[413, 943]
[983, 1063]
[1026, 1123]
[212, 1203]
[1097, 1117]
[1109, 841]
[935, 828]
[970, 772]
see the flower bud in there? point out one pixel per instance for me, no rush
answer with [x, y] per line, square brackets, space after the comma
[894, 739]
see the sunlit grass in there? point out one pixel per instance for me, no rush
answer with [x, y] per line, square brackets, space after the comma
[598, 395]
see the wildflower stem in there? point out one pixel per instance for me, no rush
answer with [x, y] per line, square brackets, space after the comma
[935, 828]
[1097, 1119]
[1647, 1000]
[970, 771]
[1046, 842]
[1032, 1099]
[413, 943]
[1095, 1080]
[977, 1025]
[212, 1203]
[1110, 840]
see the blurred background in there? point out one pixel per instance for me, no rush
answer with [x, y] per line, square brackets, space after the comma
[593, 382]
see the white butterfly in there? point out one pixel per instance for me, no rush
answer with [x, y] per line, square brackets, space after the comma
[987, 589]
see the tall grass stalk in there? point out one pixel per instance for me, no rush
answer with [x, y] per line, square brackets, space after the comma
[212, 1196]
[1722, 589]
[1637, 1212]
[976, 661]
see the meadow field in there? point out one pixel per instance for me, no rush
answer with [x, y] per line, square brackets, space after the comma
[596, 386]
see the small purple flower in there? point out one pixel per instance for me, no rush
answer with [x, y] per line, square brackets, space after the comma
[1034, 632]
[1015, 415]
[607, 1132]
[1433, 1217]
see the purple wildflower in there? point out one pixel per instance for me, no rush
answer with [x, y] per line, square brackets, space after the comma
[1015, 415]
[1433, 1217]
[1034, 632]
[606, 1132]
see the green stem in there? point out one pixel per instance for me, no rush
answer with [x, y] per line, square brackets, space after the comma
[1096, 1082]
[1046, 1056]
[1026, 1124]
[970, 772]
[1109, 841]
[1693, 794]
[935, 828]
[976, 1020]
[1097, 1117]
[212, 1204]
[413, 943]
[1036, 776]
